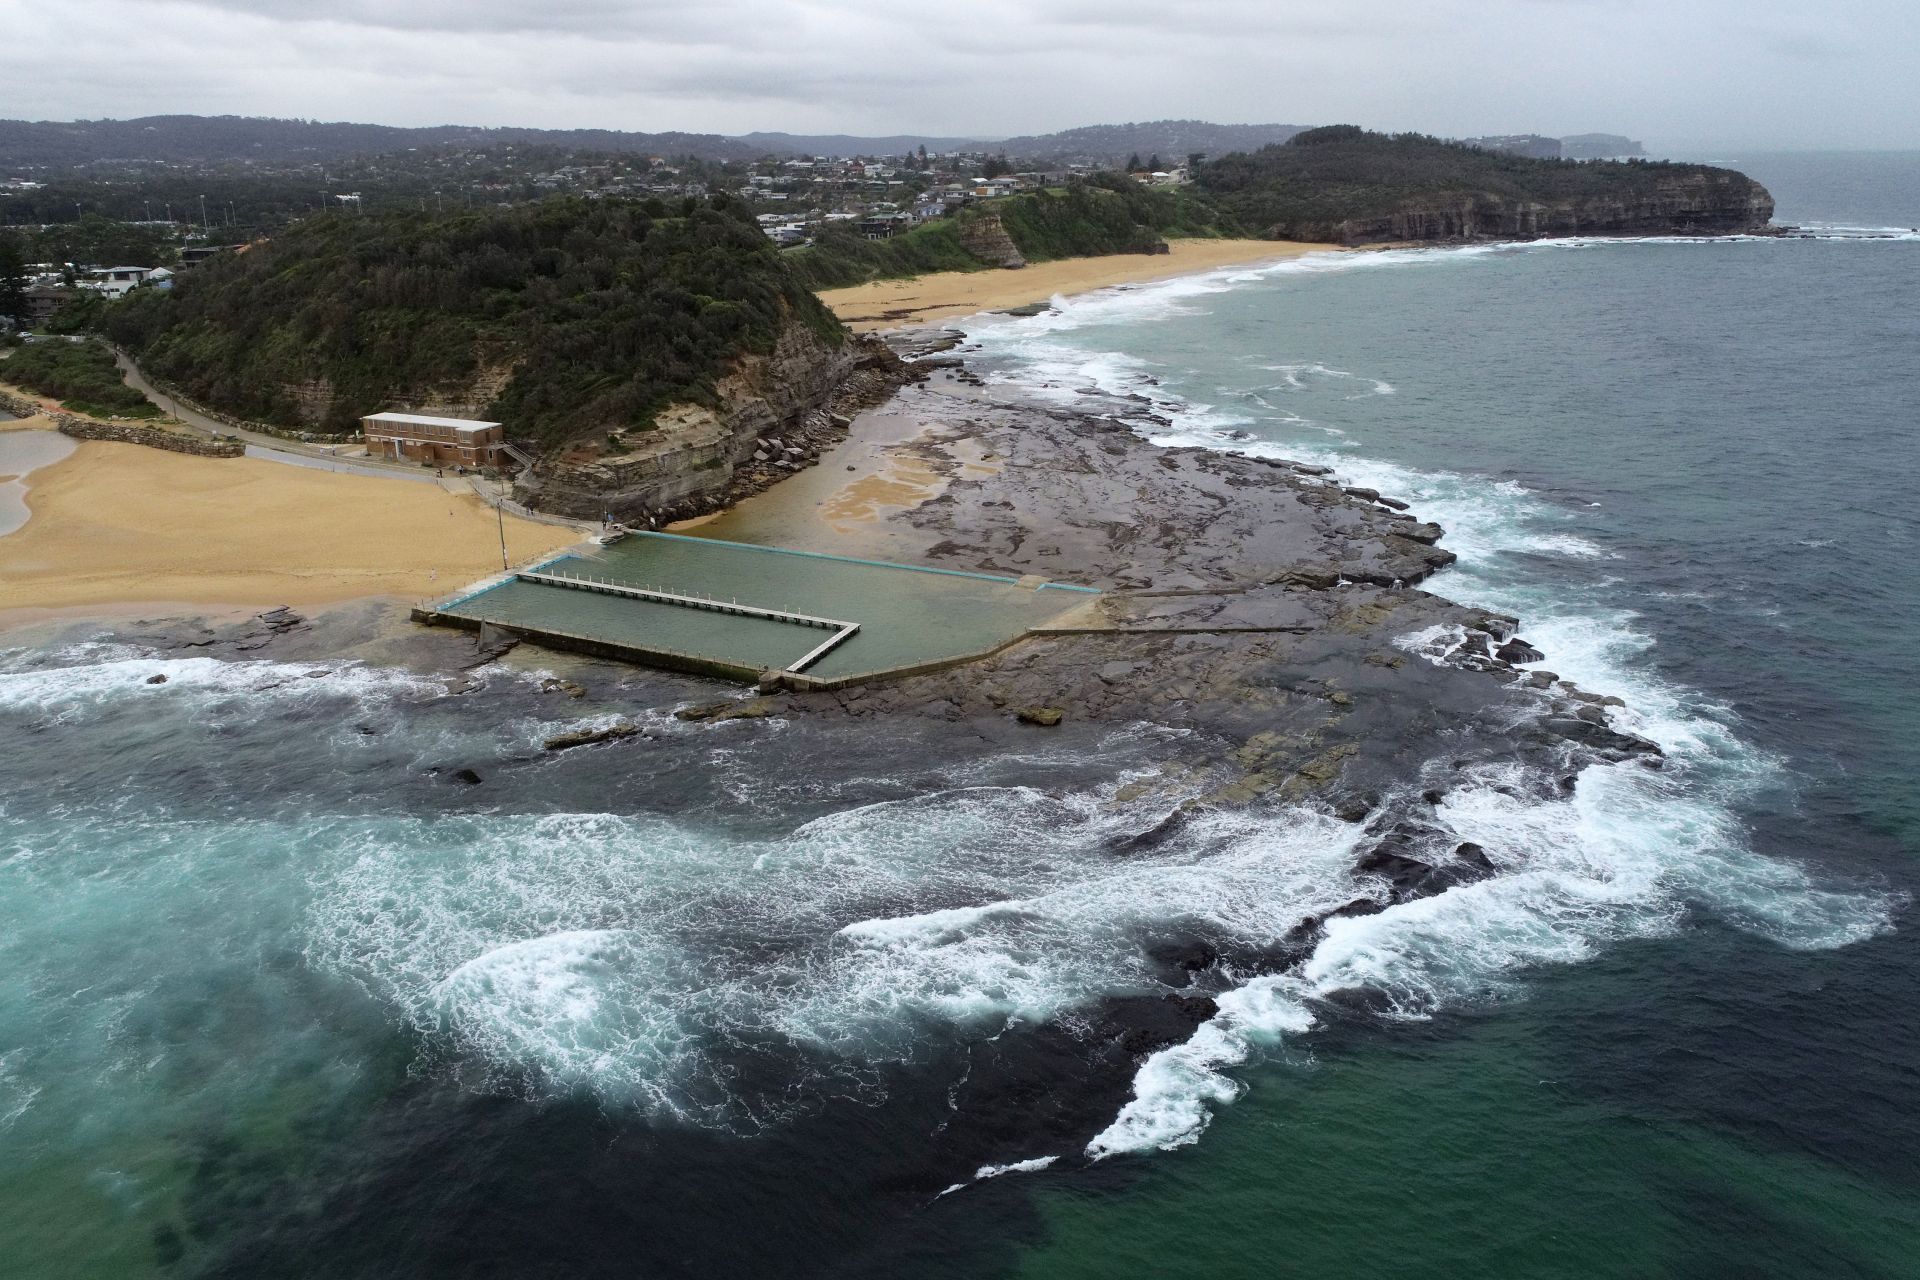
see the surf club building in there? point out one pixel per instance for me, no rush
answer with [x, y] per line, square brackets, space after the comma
[438, 442]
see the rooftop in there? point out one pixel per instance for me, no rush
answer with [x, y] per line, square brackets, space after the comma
[426, 420]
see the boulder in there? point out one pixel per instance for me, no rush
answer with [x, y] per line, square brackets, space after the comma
[586, 737]
[1518, 651]
[1046, 717]
[1427, 533]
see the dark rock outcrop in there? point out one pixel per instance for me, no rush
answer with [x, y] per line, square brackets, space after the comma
[586, 737]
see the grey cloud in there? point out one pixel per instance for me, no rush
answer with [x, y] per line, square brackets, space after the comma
[1714, 72]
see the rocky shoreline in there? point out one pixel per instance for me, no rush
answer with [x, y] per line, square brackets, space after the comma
[1266, 614]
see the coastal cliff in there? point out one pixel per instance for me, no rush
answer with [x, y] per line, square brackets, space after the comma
[769, 417]
[1684, 204]
[1348, 186]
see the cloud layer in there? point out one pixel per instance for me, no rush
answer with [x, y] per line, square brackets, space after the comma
[1681, 74]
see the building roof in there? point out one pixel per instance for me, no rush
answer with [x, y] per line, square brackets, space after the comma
[424, 420]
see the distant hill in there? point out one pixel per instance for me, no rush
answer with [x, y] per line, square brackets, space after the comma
[846, 144]
[1347, 185]
[1171, 140]
[224, 139]
[218, 139]
[1600, 146]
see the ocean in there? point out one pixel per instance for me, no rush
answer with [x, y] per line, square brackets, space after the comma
[279, 996]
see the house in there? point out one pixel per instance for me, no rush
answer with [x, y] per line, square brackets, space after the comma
[882, 226]
[118, 282]
[45, 300]
[195, 254]
[435, 441]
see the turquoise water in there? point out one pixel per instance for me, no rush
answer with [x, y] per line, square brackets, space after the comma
[281, 995]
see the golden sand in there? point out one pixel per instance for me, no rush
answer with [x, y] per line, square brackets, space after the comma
[892, 304]
[120, 523]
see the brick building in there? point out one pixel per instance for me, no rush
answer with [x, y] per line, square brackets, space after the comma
[444, 442]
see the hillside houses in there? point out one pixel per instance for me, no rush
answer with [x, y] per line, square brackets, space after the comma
[796, 197]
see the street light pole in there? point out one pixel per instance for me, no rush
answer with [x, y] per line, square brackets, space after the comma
[500, 518]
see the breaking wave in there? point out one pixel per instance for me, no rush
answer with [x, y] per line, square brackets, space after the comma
[1633, 854]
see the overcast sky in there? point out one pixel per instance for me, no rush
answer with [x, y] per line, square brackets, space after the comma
[1685, 75]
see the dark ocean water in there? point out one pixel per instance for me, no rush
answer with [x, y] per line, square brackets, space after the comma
[277, 998]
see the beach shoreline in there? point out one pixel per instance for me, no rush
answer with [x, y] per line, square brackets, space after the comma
[883, 305]
[117, 526]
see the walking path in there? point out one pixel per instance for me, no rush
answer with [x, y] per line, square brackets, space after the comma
[297, 453]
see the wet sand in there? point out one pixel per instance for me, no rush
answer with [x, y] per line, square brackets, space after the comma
[117, 524]
[21, 454]
[890, 304]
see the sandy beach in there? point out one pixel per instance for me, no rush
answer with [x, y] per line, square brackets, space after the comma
[890, 304]
[118, 523]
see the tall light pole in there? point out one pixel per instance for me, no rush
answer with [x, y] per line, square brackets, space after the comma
[204, 224]
[500, 518]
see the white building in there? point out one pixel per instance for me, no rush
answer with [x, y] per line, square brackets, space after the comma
[118, 282]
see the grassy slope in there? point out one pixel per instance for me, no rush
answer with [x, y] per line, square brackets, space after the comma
[1110, 214]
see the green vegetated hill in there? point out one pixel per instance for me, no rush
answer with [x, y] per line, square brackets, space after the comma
[1345, 184]
[80, 375]
[1107, 213]
[562, 317]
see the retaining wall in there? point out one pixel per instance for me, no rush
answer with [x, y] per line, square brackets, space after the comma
[123, 432]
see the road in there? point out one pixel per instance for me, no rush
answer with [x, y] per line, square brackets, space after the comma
[272, 448]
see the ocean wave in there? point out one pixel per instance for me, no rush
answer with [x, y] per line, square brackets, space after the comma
[83, 684]
[1633, 853]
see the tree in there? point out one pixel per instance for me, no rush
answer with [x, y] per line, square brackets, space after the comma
[1133, 163]
[995, 166]
[1194, 160]
[1154, 164]
[13, 281]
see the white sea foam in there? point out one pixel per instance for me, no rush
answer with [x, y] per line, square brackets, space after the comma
[82, 689]
[1034, 1165]
[986, 1171]
[1633, 853]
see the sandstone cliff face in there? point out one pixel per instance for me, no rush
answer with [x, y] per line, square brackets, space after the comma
[983, 235]
[1682, 205]
[774, 411]
[312, 401]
